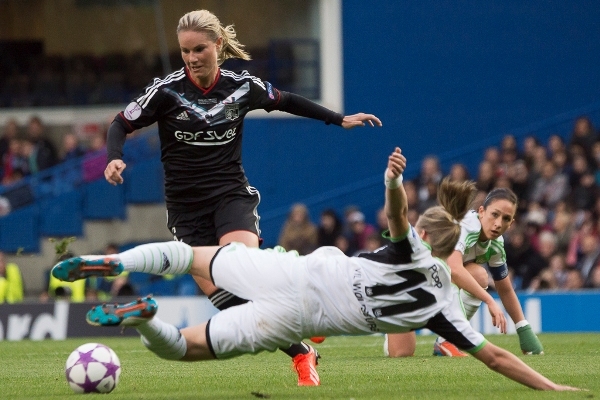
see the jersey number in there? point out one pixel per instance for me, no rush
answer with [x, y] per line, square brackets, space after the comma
[413, 278]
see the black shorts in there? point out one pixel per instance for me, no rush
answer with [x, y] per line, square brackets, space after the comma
[233, 211]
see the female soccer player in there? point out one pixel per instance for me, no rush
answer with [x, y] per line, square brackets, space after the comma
[480, 243]
[200, 111]
[398, 288]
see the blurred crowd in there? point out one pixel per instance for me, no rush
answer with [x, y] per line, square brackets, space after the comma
[553, 244]
[27, 150]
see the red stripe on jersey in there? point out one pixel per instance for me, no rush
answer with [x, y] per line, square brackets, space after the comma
[204, 91]
[127, 122]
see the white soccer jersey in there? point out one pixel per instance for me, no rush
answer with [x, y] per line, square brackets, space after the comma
[398, 288]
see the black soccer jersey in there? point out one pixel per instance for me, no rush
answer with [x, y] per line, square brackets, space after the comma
[200, 130]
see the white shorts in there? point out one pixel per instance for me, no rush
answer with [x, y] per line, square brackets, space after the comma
[292, 298]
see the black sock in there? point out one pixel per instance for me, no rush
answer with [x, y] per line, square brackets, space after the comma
[222, 300]
[295, 349]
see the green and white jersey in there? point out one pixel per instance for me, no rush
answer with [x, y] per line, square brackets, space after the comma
[490, 252]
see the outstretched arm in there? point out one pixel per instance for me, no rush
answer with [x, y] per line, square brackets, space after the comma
[396, 204]
[512, 367]
[303, 107]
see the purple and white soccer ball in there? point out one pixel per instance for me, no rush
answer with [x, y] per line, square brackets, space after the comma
[93, 368]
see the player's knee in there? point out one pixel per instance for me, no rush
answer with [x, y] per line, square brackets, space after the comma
[400, 345]
[396, 353]
[479, 273]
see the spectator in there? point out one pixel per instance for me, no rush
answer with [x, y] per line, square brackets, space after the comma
[372, 243]
[596, 163]
[545, 280]
[412, 216]
[348, 210]
[574, 280]
[508, 158]
[298, 232]
[45, 151]
[430, 173]
[535, 221]
[550, 188]
[412, 196]
[560, 159]
[584, 194]
[459, 173]
[486, 178]
[492, 155]
[342, 243]
[558, 266]
[10, 132]
[518, 173]
[563, 228]
[14, 165]
[431, 199]
[98, 143]
[509, 143]
[360, 230]
[589, 257]
[539, 160]
[330, 227]
[547, 249]
[585, 227]
[11, 282]
[521, 257]
[529, 145]
[556, 144]
[71, 149]
[583, 136]
[594, 281]
[579, 167]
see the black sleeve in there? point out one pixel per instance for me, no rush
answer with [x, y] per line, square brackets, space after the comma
[115, 140]
[303, 107]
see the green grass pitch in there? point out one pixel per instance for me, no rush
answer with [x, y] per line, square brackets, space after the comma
[350, 368]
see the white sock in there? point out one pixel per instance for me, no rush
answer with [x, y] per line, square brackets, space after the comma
[470, 303]
[158, 258]
[163, 339]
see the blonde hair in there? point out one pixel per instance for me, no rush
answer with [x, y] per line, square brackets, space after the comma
[205, 21]
[442, 222]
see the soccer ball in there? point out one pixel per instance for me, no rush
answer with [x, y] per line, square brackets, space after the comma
[93, 367]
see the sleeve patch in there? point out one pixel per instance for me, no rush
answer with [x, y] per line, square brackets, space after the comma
[132, 111]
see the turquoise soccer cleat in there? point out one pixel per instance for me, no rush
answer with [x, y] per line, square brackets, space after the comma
[129, 314]
[76, 268]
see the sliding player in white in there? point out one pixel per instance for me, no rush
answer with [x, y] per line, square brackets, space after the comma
[399, 288]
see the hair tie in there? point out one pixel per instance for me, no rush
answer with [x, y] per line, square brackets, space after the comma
[455, 221]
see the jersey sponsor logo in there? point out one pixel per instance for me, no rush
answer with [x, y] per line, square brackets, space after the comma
[232, 111]
[183, 116]
[206, 138]
[132, 111]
